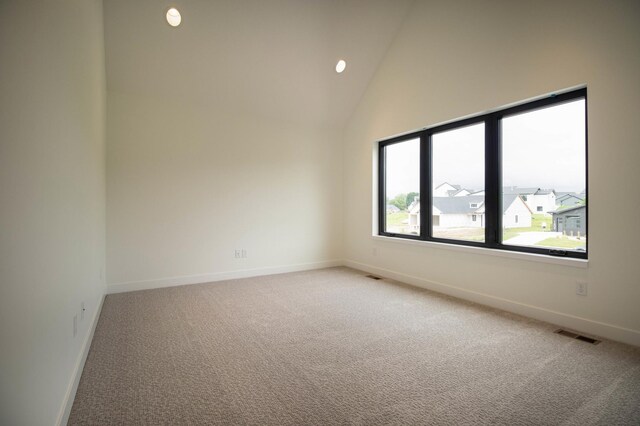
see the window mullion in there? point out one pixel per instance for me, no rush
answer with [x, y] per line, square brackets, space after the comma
[425, 186]
[492, 181]
[382, 196]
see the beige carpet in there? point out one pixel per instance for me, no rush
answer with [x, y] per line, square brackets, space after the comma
[334, 347]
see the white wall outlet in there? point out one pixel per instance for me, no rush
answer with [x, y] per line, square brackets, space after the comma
[581, 288]
[82, 310]
[238, 253]
[75, 325]
[244, 253]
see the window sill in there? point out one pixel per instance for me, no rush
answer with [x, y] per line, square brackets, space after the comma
[532, 257]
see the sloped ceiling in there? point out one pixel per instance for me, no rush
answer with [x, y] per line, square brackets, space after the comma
[273, 58]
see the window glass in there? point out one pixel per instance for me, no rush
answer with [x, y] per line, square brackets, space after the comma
[402, 187]
[458, 178]
[544, 158]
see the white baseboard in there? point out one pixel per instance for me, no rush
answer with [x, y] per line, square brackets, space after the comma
[582, 325]
[218, 276]
[67, 403]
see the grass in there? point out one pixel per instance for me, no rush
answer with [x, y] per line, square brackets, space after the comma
[536, 226]
[397, 219]
[563, 242]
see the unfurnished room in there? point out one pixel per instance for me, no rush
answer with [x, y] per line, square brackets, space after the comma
[319, 212]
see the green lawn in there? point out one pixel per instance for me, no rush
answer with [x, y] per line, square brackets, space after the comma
[399, 222]
[397, 219]
[536, 226]
[563, 242]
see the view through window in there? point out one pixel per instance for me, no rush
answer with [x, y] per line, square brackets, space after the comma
[458, 184]
[544, 177]
[514, 179]
[402, 187]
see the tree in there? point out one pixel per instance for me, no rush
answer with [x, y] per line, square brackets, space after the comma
[400, 201]
[410, 197]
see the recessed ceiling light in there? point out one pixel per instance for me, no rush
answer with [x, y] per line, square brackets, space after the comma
[173, 17]
[340, 66]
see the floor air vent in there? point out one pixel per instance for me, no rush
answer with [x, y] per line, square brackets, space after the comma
[577, 336]
[373, 277]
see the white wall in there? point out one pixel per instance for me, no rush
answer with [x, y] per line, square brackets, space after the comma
[458, 220]
[547, 201]
[520, 209]
[189, 183]
[52, 192]
[455, 58]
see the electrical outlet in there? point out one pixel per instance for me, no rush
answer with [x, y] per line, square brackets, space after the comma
[82, 309]
[581, 288]
[75, 325]
[244, 253]
[238, 253]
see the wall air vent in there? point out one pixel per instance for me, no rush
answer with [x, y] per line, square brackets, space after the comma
[577, 336]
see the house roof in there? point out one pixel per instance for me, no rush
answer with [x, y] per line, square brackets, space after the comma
[454, 192]
[508, 199]
[526, 191]
[457, 187]
[564, 195]
[544, 191]
[462, 205]
[458, 205]
[568, 210]
[514, 190]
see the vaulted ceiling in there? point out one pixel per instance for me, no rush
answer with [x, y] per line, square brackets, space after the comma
[273, 58]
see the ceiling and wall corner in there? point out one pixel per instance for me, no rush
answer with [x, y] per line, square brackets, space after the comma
[225, 133]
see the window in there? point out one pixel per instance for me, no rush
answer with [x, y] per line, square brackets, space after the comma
[544, 148]
[478, 179]
[457, 155]
[401, 187]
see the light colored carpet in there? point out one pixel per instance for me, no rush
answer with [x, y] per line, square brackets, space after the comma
[334, 347]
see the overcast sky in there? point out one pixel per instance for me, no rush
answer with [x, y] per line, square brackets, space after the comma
[544, 148]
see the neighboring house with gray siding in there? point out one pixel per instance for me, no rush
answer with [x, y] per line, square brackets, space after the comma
[568, 199]
[571, 221]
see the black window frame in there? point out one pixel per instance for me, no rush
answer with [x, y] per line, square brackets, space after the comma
[493, 178]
